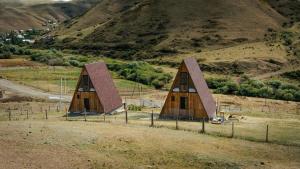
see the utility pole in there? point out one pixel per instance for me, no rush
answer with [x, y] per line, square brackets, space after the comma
[60, 93]
[65, 86]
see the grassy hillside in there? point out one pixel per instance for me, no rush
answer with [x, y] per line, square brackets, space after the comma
[35, 14]
[149, 28]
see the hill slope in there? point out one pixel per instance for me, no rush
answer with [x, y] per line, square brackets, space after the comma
[15, 15]
[126, 28]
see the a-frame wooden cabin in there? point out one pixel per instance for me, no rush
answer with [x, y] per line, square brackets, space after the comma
[189, 97]
[95, 91]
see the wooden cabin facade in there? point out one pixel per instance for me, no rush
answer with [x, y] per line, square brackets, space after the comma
[189, 97]
[95, 91]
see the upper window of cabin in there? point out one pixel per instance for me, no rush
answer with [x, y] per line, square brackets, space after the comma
[183, 78]
[85, 83]
[85, 80]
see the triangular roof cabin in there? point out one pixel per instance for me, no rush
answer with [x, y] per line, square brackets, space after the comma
[189, 97]
[95, 91]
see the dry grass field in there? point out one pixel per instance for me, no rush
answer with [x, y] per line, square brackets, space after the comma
[61, 144]
[107, 142]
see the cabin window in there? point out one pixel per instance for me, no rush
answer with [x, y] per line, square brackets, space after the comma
[85, 83]
[183, 78]
[85, 80]
[183, 103]
[173, 98]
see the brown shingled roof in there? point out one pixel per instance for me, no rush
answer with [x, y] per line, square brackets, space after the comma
[104, 86]
[201, 86]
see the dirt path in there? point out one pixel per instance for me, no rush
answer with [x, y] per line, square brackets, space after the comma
[33, 92]
[29, 91]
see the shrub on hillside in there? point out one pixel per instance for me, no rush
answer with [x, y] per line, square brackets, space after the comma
[75, 63]
[53, 58]
[141, 72]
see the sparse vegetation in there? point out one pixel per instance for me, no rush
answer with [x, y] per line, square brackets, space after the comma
[255, 88]
[141, 72]
[292, 75]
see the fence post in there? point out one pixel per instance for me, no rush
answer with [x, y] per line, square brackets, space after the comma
[84, 114]
[177, 127]
[66, 113]
[9, 115]
[46, 112]
[232, 130]
[126, 115]
[152, 122]
[267, 134]
[203, 125]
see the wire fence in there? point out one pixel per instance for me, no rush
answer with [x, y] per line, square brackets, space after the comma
[278, 131]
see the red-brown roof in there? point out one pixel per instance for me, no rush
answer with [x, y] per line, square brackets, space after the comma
[201, 86]
[104, 86]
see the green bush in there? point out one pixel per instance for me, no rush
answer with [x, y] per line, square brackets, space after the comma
[141, 72]
[254, 88]
[75, 63]
[52, 57]
[274, 84]
[297, 96]
[134, 107]
[5, 55]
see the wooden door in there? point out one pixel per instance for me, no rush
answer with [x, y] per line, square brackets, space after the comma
[86, 103]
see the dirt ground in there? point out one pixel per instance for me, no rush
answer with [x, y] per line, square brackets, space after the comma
[61, 144]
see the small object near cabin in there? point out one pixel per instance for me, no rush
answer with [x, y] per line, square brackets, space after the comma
[1, 94]
[189, 97]
[95, 91]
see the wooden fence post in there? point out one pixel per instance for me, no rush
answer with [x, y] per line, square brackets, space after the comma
[267, 134]
[177, 127]
[152, 122]
[126, 115]
[9, 115]
[84, 114]
[232, 130]
[203, 125]
[66, 113]
[46, 112]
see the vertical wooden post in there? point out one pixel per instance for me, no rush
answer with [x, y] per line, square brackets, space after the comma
[126, 115]
[27, 115]
[152, 122]
[65, 86]
[267, 134]
[60, 93]
[66, 110]
[9, 115]
[203, 125]
[46, 113]
[232, 130]
[84, 114]
[177, 127]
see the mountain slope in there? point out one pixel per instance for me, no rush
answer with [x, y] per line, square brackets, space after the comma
[122, 28]
[24, 16]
